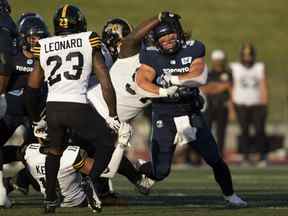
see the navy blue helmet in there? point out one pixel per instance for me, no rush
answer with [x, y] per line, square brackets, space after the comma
[5, 7]
[164, 28]
[32, 26]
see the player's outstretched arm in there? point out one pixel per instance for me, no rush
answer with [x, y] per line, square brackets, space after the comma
[132, 43]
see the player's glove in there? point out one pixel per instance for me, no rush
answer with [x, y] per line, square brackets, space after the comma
[169, 92]
[124, 134]
[40, 128]
[167, 80]
[167, 16]
[113, 123]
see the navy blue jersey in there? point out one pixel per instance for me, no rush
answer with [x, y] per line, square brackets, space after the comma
[173, 64]
[176, 64]
[21, 66]
[7, 37]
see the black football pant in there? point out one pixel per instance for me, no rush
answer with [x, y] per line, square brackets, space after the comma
[162, 147]
[89, 125]
[218, 116]
[253, 116]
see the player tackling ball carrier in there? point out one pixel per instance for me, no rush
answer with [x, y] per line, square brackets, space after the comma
[170, 76]
[66, 61]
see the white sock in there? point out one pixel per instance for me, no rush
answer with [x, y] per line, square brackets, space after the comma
[1, 179]
[114, 163]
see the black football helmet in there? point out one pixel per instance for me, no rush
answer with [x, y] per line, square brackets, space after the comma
[27, 14]
[68, 20]
[164, 28]
[5, 7]
[114, 31]
[31, 26]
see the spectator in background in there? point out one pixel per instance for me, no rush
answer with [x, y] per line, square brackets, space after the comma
[217, 92]
[250, 96]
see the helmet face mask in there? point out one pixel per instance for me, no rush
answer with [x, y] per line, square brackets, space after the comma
[113, 32]
[167, 34]
[68, 20]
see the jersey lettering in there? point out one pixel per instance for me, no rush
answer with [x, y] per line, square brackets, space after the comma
[52, 79]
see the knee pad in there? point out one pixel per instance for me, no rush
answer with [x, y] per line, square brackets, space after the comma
[80, 159]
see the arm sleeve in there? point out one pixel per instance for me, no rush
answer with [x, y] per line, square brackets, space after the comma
[146, 57]
[36, 51]
[198, 50]
[95, 41]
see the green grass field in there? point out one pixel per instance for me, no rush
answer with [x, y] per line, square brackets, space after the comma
[219, 24]
[190, 192]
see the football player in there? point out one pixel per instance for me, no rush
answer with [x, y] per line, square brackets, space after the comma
[75, 190]
[129, 104]
[250, 98]
[7, 36]
[66, 63]
[170, 76]
[31, 29]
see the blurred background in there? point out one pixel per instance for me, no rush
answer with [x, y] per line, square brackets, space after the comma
[224, 25]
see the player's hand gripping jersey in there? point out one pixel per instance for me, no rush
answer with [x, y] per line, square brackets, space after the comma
[69, 179]
[67, 62]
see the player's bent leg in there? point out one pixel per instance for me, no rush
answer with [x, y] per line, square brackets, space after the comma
[162, 146]
[205, 144]
[161, 162]
[5, 134]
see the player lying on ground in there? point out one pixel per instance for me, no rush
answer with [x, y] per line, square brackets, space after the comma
[170, 76]
[73, 188]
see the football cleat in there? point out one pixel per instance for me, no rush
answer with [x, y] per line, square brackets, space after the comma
[50, 206]
[93, 201]
[144, 185]
[234, 201]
